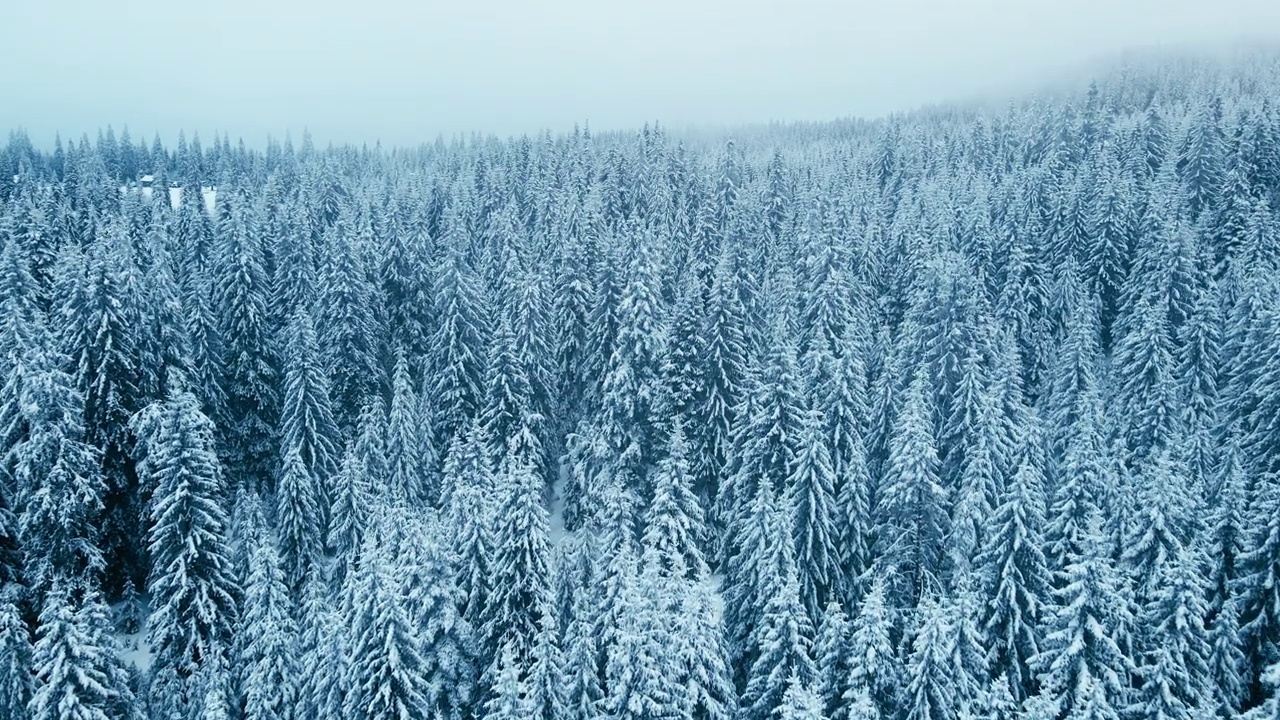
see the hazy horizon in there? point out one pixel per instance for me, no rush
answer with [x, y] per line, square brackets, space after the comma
[404, 75]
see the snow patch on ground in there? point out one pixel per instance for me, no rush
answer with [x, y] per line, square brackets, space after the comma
[134, 649]
[558, 533]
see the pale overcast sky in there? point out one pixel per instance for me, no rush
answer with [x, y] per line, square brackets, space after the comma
[405, 72]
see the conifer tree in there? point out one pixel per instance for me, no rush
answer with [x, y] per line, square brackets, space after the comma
[811, 499]
[248, 369]
[874, 665]
[521, 557]
[1015, 581]
[15, 663]
[1082, 669]
[306, 418]
[268, 639]
[674, 526]
[192, 582]
[914, 521]
[386, 669]
[509, 698]
[59, 474]
[457, 346]
[298, 519]
[830, 651]
[71, 681]
[410, 457]
[931, 693]
[784, 638]
[1257, 585]
[1175, 670]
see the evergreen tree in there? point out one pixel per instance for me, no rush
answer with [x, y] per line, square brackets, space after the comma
[71, 682]
[192, 585]
[1175, 672]
[409, 452]
[60, 476]
[784, 638]
[914, 522]
[521, 557]
[385, 669]
[811, 497]
[1258, 584]
[248, 370]
[509, 699]
[298, 519]
[830, 656]
[873, 662]
[268, 637]
[306, 418]
[674, 526]
[1082, 669]
[931, 693]
[15, 663]
[1015, 581]
[457, 346]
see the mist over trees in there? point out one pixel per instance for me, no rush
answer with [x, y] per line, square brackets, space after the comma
[959, 413]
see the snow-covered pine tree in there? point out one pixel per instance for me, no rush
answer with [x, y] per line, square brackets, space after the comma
[810, 497]
[306, 415]
[15, 662]
[192, 583]
[674, 525]
[1014, 580]
[71, 680]
[521, 558]
[1083, 672]
[268, 642]
[914, 519]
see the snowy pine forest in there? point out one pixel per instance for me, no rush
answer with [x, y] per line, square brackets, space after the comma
[967, 413]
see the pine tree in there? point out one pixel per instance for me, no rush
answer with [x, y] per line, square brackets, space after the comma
[298, 519]
[830, 651]
[509, 698]
[800, 703]
[101, 322]
[811, 498]
[385, 670]
[348, 321]
[854, 522]
[1175, 672]
[457, 346]
[707, 679]
[914, 523]
[15, 663]
[674, 526]
[638, 669]
[192, 585]
[60, 476]
[931, 693]
[583, 693]
[546, 671]
[349, 516]
[521, 557]
[306, 418]
[248, 370]
[1081, 667]
[409, 452]
[723, 353]
[268, 638]
[71, 683]
[784, 637]
[873, 662]
[1258, 584]
[1014, 578]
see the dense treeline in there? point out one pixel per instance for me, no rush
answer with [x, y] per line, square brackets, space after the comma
[954, 414]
